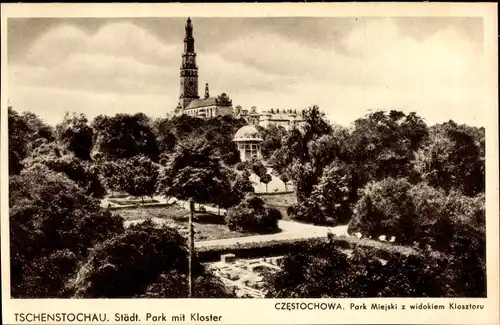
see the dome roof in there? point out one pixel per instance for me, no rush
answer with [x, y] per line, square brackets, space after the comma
[247, 133]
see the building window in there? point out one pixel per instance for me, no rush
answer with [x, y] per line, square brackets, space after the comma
[248, 153]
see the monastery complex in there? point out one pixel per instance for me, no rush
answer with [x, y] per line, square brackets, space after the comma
[191, 104]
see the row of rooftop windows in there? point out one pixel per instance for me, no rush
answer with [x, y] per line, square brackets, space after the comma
[253, 109]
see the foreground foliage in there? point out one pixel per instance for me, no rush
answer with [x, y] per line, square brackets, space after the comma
[326, 271]
[53, 224]
[144, 261]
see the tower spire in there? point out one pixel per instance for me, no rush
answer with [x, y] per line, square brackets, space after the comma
[207, 93]
[189, 39]
[189, 70]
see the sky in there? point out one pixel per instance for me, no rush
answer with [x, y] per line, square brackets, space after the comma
[346, 66]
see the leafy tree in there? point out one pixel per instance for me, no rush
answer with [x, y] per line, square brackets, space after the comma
[240, 187]
[18, 130]
[174, 285]
[224, 145]
[285, 179]
[26, 132]
[125, 136]
[293, 147]
[220, 132]
[417, 213]
[84, 173]
[53, 224]
[217, 131]
[332, 193]
[312, 274]
[383, 144]
[128, 263]
[316, 124]
[385, 208]
[195, 172]
[76, 135]
[327, 148]
[271, 137]
[306, 151]
[144, 261]
[304, 177]
[165, 137]
[185, 125]
[251, 215]
[326, 271]
[140, 176]
[322, 152]
[114, 175]
[258, 167]
[241, 166]
[266, 179]
[242, 182]
[454, 158]
[468, 264]
[137, 176]
[47, 275]
[38, 129]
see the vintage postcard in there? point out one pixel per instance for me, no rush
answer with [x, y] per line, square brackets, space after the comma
[311, 163]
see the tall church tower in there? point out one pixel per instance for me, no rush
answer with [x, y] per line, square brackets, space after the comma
[189, 70]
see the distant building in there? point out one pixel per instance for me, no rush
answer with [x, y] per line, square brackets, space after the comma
[189, 101]
[252, 117]
[191, 104]
[286, 118]
[248, 141]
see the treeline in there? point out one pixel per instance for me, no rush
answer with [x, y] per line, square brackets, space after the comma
[388, 175]
[380, 174]
[127, 153]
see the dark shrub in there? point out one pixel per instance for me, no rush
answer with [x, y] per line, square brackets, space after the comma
[251, 215]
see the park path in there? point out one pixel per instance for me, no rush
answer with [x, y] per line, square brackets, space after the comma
[289, 229]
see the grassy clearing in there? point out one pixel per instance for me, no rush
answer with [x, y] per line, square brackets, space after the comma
[206, 226]
[285, 199]
[280, 202]
[168, 212]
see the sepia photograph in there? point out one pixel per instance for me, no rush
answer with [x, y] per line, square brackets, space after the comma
[202, 156]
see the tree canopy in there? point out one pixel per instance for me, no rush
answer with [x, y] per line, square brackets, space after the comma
[394, 207]
[52, 223]
[144, 261]
[454, 158]
[125, 136]
[251, 215]
[76, 135]
[327, 271]
[195, 171]
[26, 132]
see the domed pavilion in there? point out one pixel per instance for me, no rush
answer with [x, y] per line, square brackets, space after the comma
[249, 142]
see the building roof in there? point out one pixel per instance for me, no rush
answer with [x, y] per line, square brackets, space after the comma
[279, 117]
[247, 133]
[199, 103]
